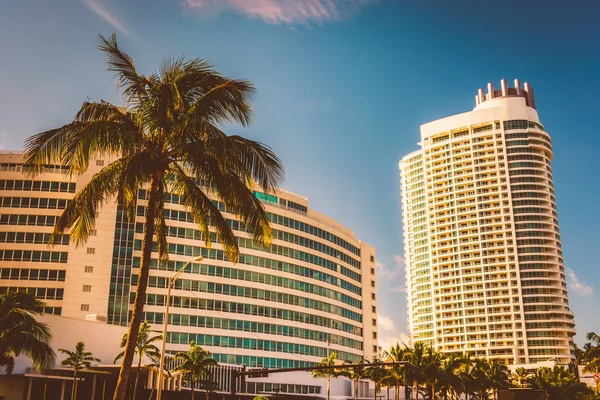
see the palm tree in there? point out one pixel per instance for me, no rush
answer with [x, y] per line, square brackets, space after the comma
[355, 374]
[166, 138]
[376, 373]
[396, 375]
[463, 373]
[144, 347]
[449, 382]
[432, 370]
[78, 360]
[21, 334]
[521, 377]
[329, 373]
[415, 368]
[195, 364]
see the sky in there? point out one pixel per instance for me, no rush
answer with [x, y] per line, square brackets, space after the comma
[343, 86]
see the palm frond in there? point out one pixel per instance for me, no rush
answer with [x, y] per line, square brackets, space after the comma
[122, 65]
[203, 210]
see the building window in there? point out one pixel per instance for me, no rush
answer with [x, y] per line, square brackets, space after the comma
[372, 271]
[85, 307]
[372, 296]
[373, 309]
[372, 283]
[93, 232]
[100, 163]
[372, 258]
[91, 250]
[374, 349]
[89, 269]
[87, 288]
[374, 335]
[374, 322]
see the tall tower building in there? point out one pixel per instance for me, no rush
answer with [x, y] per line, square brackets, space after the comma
[310, 293]
[484, 266]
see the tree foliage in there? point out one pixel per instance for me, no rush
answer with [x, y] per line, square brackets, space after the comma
[21, 333]
[167, 138]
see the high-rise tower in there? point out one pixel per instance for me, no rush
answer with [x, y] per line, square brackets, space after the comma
[484, 266]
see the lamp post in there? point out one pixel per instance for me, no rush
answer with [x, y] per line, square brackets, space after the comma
[164, 338]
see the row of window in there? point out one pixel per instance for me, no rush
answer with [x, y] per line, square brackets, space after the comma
[39, 293]
[236, 225]
[33, 238]
[33, 274]
[252, 276]
[255, 344]
[251, 326]
[262, 362]
[250, 309]
[48, 169]
[267, 295]
[37, 186]
[261, 262]
[195, 251]
[30, 220]
[34, 256]
[280, 220]
[33, 202]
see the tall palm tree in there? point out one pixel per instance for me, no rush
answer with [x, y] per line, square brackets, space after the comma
[166, 138]
[195, 364]
[144, 346]
[78, 360]
[497, 376]
[328, 361]
[432, 370]
[376, 373]
[449, 380]
[355, 374]
[21, 334]
[396, 375]
[417, 360]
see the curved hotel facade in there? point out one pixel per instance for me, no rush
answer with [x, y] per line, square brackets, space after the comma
[485, 270]
[311, 292]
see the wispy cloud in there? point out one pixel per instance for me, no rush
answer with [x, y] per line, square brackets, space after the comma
[576, 285]
[388, 334]
[390, 270]
[103, 12]
[287, 12]
[385, 323]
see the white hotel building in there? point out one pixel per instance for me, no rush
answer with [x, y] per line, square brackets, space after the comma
[311, 292]
[485, 271]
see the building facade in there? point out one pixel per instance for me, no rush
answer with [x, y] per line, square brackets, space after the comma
[312, 292]
[484, 266]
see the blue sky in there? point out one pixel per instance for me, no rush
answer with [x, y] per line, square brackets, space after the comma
[343, 86]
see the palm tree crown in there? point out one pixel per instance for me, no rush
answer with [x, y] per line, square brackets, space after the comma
[78, 359]
[21, 334]
[196, 364]
[167, 138]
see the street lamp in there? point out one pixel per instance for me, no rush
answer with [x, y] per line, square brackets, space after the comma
[164, 337]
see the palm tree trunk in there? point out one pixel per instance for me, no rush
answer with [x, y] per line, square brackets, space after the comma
[416, 390]
[140, 296]
[137, 375]
[193, 394]
[328, 386]
[397, 392]
[74, 387]
[356, 389]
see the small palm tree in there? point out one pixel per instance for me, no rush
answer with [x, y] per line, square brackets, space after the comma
[143, 347]
[355, 374]
[376, 373]
[396, 375]
[78, 360]
[167, 138]
[21, 334]
[195, 364]
[329, 361]
[521, 378]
